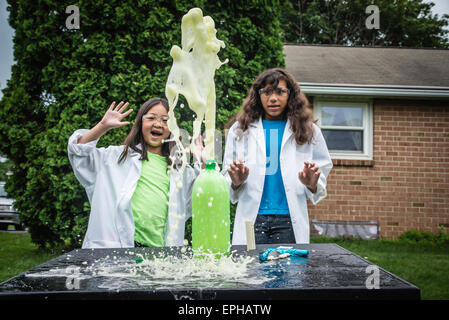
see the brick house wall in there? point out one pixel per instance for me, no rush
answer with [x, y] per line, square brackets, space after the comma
[406, 185]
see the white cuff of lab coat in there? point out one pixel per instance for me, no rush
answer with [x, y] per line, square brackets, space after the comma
[319, 195]
[234, 195]
[77, 148]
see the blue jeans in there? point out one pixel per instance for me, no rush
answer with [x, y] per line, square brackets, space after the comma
[274, 228]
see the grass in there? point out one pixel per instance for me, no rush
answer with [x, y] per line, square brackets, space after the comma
[424, 265]
[18, 254]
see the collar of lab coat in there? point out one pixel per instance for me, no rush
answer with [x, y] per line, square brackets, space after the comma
[136, 156]
[257, 132]
[133, 153]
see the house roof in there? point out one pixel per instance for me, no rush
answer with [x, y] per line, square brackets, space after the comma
[370, 69]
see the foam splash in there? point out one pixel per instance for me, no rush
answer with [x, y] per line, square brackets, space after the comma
[192, 75]
[173, 268]
[205, 271]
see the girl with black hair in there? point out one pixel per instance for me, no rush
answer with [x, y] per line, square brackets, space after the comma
[135, 200]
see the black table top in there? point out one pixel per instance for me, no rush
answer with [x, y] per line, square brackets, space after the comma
[329, 272]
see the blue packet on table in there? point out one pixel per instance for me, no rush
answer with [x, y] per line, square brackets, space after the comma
[279, 253]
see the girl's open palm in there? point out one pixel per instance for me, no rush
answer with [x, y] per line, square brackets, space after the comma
[114, 116]
[238, 172]
[309, 175]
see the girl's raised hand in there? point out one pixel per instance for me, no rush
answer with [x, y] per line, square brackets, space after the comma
[114, 116]
[309, 175]
[238, 173]
[200, 151]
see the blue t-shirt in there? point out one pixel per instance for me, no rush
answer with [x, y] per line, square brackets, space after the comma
[274, 200]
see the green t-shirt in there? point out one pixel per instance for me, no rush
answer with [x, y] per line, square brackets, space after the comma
[150, 201]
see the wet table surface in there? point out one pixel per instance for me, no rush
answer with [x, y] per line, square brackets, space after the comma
[329, 272]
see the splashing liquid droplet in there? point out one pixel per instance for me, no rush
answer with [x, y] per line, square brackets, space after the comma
[192, 75]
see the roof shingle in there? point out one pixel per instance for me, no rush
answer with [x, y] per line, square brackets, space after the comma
[378, 66]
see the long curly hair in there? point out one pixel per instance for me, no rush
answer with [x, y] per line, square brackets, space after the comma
[298, 109]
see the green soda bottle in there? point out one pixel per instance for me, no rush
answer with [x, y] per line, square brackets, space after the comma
[210, 213]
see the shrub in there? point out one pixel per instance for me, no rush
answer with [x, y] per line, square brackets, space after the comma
[425, 237]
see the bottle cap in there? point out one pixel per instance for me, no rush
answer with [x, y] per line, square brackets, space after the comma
[210, 164]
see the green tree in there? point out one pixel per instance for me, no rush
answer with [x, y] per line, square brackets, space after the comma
[403, 23]
[65, 79]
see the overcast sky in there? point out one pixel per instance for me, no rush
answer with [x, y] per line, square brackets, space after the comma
[6, 34]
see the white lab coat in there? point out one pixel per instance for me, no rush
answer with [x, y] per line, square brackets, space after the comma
[110, 186]
[250, 146]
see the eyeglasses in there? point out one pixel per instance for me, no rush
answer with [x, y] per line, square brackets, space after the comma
[154, 117]
[266, 92]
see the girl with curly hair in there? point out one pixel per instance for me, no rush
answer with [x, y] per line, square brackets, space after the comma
[275, 159]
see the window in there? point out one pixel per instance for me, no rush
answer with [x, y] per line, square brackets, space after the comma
[346, 127]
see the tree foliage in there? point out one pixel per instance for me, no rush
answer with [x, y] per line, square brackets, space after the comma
[65, 80]
[403, 23]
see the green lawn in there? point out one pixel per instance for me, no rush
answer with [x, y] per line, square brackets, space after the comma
[424, 265]
[19, 254]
